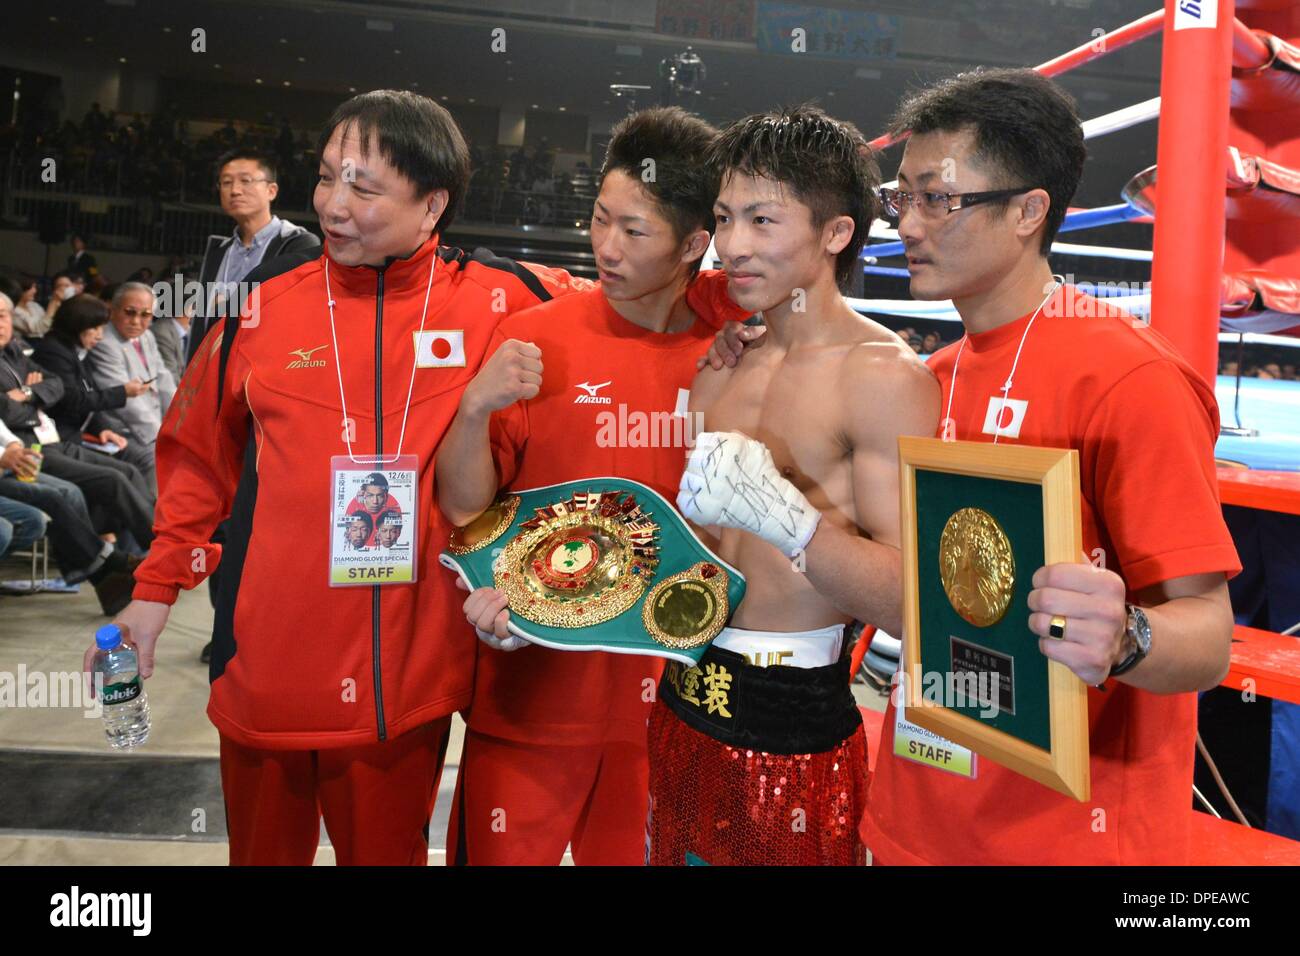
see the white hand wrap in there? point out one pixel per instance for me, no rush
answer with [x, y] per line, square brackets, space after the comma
[511, 643]
[731, 482]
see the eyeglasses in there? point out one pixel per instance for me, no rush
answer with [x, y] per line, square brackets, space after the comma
[226, 183]
[136, 313]
[936, 205]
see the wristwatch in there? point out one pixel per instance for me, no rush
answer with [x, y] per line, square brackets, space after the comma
[27, 392]
[1138, 630]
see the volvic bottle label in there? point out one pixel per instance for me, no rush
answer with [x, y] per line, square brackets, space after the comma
[122, 692]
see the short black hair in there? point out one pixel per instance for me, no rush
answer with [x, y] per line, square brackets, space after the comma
[683, 184]
[11, 287]
[364, 518]
[1026, 131]
[263, 160]
[72, 275]
[375, 478]
[416, 135]
[826, 163]
[75, 316]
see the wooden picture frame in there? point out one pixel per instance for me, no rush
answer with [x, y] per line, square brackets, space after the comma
[1063, 763]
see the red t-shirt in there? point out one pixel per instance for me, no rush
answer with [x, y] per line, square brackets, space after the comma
[1145, 425]
[610, 393]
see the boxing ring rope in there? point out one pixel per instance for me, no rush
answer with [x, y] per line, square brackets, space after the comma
[1249, 51]
[1136, 304]
[1079, 219]
[1122, 118]
[1259, 338]
[1191, 259]
[1200, 48]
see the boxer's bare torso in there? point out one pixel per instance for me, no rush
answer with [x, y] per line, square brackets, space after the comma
[822, 404]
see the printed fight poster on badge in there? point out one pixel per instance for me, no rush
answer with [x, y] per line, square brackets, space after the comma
[373, 526]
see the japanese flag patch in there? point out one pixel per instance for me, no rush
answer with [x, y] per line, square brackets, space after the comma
[440, 348]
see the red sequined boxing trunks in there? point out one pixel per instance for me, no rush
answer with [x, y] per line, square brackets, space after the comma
[755, 766]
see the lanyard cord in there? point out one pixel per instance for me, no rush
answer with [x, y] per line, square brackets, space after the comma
[1006, 387]
[410, 389]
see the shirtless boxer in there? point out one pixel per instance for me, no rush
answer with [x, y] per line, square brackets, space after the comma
[758, 756]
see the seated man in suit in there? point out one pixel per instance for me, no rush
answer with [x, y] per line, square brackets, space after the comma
[29, 406]
[172, 333]
[128, 352]
[64, 354]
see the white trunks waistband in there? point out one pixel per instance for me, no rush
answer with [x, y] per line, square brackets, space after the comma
[789, 648]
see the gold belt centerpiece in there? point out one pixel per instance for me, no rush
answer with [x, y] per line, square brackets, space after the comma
[580, 561]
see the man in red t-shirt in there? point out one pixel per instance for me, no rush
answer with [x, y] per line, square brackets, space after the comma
[1146, 612]
[1148, 615]
[555, 753]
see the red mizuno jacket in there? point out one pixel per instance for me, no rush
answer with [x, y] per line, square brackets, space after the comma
[297, 664]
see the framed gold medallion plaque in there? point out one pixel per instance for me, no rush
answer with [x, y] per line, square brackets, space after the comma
[978, 520]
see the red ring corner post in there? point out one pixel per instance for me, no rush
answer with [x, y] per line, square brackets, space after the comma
[1187, 266]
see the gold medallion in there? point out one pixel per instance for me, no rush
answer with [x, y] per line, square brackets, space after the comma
[486, 528]
[976, 566]
[581, 561]
[688, 609]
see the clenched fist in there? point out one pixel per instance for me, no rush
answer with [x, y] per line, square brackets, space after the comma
[513, 373]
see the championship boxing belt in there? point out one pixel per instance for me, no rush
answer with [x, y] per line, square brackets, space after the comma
[603, 564]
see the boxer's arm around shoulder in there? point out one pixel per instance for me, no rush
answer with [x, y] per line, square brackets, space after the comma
[705, 389]
[882, 397]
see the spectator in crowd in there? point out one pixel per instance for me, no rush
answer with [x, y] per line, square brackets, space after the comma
[1229, 368]
[172, 333]
[930, 343]
[81, 261]
[129, 352]
[1273, 371]
[95, 122]
[66, 285]
[247, 186]
[77, 329]
[1288, 372]
[116, 492]
[20, 525]
[78, 550]
[29, 317]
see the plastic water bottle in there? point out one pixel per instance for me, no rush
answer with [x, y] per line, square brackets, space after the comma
[126, 706]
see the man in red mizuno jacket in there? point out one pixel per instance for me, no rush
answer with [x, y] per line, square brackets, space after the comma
[333, 701]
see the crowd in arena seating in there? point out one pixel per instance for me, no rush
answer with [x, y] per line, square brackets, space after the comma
[1274, 365]
[924, 343]
[521, 186]
[158, 158]
[83, 388]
